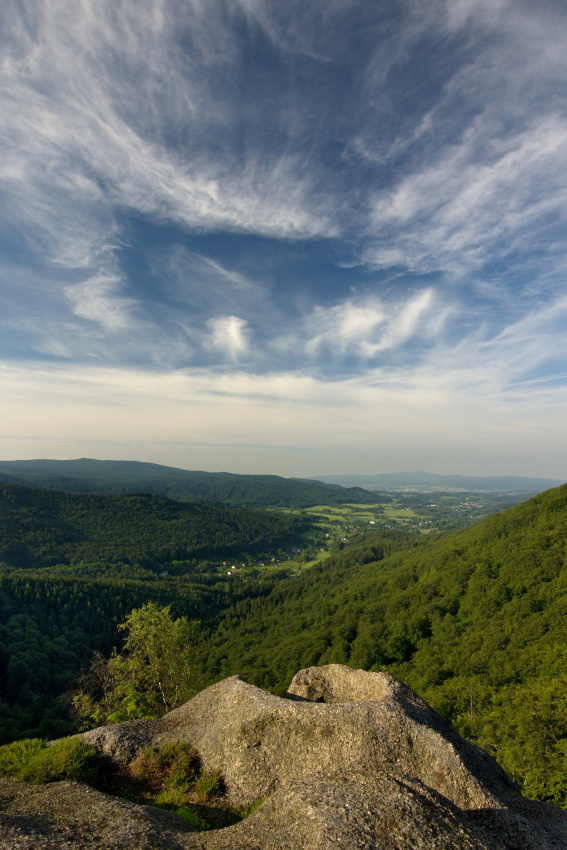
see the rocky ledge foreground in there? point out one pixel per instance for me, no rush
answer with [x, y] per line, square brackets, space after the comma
[347, 759]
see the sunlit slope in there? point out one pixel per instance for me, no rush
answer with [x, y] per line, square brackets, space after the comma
[476, 621]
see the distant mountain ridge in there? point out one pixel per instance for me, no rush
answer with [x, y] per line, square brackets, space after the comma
[87, 475]
[395, 480]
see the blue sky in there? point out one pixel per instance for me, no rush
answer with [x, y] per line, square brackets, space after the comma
[291, 237]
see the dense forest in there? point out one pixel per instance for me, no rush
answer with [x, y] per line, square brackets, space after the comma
[87, 475]
[44, 528]
[474, 620]
[73, 566]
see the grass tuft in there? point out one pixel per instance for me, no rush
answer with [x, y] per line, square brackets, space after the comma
[33, 761]
[169, 777]
[208, 785]
[14, 756]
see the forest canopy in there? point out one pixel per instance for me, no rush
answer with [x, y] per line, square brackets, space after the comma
[41, 528]
[473, 620]
[86, 475]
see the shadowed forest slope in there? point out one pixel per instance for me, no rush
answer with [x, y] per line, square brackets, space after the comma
[40, 528]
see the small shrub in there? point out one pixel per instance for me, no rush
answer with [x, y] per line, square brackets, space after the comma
[192, 818]
[208, 785]
[69, 758]
[13, 757]
[173, 780]
[146, 767]
[173, 766]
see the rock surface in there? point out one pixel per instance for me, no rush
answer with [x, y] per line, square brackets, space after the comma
[348, 759]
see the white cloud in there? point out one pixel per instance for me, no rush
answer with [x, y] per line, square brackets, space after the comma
[344, 327]
[366, 327]
[413, 318]
[459, 212]
[97, 300]
[229, 335]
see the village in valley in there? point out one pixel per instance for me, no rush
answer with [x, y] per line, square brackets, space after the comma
[332, 526]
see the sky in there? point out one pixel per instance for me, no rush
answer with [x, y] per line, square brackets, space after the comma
[302, 237]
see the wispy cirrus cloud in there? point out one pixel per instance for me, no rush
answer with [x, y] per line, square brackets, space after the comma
[98, 300]
[463, 212]
[293, 201]
[120, 142]
[367, 327]
[205, 284]
[479, 164]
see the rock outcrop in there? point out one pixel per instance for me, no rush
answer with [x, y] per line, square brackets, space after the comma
[348, 759]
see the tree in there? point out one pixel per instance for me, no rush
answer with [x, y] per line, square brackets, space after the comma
[151, 677]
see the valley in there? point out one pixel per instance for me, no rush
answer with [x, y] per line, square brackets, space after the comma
[462, 596]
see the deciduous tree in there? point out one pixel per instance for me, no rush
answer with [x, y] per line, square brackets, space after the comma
[150, 677]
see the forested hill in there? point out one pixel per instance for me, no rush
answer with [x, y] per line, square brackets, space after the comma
[86, 475]
[73, 566]
[475, 621]
[41, 528]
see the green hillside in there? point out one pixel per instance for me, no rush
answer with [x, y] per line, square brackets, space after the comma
[86, 475]
[475, 621]
[40, 528]
[73, 566]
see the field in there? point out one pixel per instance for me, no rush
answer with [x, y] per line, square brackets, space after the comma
[419, 513]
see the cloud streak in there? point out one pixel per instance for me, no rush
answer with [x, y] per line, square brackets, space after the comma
[459, 214]
[122, 414]
[97, 300]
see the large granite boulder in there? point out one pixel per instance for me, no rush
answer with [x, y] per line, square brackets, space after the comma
[347, 759]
